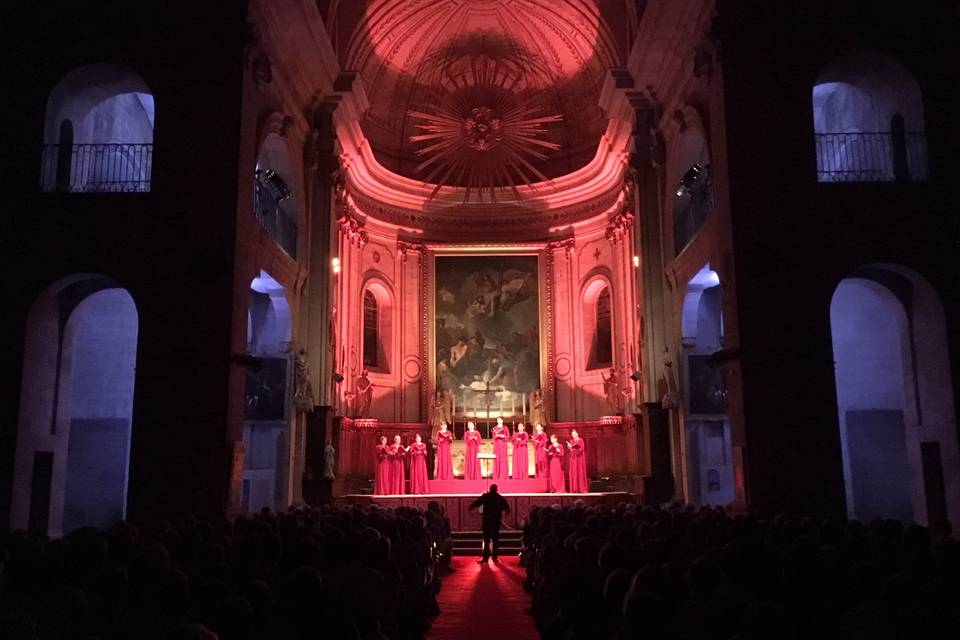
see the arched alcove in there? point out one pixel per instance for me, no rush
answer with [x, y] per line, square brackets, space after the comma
[76, 407]
[275, 201]
[597, 322]
[692, 196]
[894, 397]
[266, 432]
[98, 132]
[709, 450]
[377, 305]
[868, 121]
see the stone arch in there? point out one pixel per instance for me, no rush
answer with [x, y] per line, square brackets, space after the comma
[76, 407]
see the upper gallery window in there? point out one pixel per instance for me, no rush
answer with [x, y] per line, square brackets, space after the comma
[868, 121]
[98, 133]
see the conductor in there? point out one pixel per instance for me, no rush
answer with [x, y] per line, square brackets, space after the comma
[492, 506]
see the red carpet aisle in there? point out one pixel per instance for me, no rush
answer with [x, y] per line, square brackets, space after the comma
[484, 601]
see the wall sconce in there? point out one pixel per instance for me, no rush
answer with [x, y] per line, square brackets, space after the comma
[636, 262]
[335, 265]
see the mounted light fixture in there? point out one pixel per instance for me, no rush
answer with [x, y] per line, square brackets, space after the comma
[636, 262]
[335, 265]
[274, 184]
[695, 176]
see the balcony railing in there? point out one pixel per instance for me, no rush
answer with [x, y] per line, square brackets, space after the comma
[271, 216]
[689, 216]
[883, 156]
[96, 168]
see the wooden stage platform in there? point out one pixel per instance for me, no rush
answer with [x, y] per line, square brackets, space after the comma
[457, 505]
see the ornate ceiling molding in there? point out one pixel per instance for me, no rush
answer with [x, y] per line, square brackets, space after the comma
[591, 192]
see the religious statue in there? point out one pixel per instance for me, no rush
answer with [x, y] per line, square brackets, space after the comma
[303, 391]
[611, 391]
[671, 396]
[537, 414]
[363, 395]
[329, 459]
[441, 411]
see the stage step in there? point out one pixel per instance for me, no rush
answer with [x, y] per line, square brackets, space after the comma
[470, 543]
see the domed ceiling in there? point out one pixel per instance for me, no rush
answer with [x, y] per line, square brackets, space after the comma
[476, 93]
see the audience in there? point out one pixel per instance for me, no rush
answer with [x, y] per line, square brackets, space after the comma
[689, 573]
[362, 573]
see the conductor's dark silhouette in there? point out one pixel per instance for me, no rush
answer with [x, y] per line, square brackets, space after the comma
[493, 506]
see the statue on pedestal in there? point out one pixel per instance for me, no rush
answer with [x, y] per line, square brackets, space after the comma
[363, 395]
[612, 392]
[329, 459]
[671, 397]
[537, 413]
[303, 391]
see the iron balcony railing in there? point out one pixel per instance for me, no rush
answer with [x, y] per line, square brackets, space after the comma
[274, 219]
[96, 168]
[877, 156]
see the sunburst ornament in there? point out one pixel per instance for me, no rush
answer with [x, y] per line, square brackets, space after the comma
[481, 133]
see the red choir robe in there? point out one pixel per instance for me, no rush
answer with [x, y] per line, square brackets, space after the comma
[555, 453]
[520, 459]
[578, 467]
[471, 464]
[397, 479]
[444, 461]
[501, 465]
[382, 483]
[540, 455]
[418, 468]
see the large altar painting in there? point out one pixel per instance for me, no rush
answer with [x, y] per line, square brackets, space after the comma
[487, 318]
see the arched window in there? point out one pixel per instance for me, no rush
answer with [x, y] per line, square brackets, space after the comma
[598, 324]
[894, 397]
[274, 203]
[371, 331]
[267, 398]
[98, 135]
[603, 335]
[868, 121]
[76, 407]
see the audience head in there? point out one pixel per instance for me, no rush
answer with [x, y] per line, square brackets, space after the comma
[493, 488]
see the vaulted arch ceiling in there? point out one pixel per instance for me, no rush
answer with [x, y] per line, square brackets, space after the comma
[530, 69]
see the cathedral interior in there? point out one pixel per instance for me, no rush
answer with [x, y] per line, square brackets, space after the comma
[244, 240]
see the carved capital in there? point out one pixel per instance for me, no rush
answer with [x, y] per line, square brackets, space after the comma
[619, 226]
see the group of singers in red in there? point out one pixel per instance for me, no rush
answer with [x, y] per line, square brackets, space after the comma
[548, 456]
